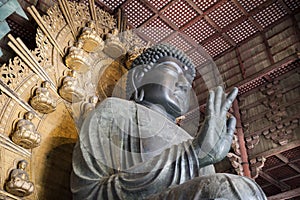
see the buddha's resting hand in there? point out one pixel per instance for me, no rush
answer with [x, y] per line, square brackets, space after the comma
[214, 139]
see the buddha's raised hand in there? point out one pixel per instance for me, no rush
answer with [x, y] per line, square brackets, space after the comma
[214, 139]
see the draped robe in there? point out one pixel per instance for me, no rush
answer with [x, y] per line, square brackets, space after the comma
[128, 151]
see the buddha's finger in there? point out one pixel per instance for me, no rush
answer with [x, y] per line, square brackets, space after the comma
[210, 103]
[231, 122]
[230, 98]
[218, 99]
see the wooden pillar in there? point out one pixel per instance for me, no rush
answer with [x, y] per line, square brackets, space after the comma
[241, 139]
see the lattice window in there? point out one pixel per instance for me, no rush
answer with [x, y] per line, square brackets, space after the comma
[197, 58]
[225, 14]
[200, 30]
[203, 5]
[137, 13]
[292, 4]
[216, 46]
[113, 4]
[159, 4]
[250, 5]
[242, 31]
[284, 69]
[180, 43]
[20, 31]
[156, 29]
[180, 13]
[249, 86]
[269, 15]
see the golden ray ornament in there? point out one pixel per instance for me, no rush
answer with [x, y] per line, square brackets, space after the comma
[72, 69]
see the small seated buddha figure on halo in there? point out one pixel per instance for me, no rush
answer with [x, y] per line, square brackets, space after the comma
[43, 101]
[19, 183]
[78, 59]
[25, 134]
[92, 41]
[89, 106]
[86, 108]
[113, 46]
[70, 89]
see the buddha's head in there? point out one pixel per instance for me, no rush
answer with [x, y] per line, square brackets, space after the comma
[46, 84]
[93, 99]
[162, 76]
[29, 115]
[22, 164]
[72, 73]
[91, 24]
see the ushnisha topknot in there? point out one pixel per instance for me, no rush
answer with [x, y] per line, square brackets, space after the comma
[152, 55]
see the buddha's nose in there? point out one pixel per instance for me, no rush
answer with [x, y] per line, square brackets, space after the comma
[183, 83]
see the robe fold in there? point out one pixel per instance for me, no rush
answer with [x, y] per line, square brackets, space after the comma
[127, 151]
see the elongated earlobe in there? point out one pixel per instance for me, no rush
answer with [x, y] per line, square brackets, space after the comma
[138, 97]
[136, 77]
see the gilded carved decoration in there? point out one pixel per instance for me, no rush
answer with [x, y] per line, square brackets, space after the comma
[70, 89]
[92, 41]
[95, 73]
[43, 100]
[19, 183]
[113, 46]
[25, 133]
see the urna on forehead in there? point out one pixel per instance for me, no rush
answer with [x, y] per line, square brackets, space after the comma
[161, 53]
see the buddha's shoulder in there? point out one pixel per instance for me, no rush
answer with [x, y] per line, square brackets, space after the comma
[115, 102]
[115, 105]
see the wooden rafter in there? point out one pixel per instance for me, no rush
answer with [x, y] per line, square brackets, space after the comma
[281, 185]
[277, 150]
[286, 161]
[286, 195]
[241, 64]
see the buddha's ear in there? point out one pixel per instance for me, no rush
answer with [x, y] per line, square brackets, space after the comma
[137, 76]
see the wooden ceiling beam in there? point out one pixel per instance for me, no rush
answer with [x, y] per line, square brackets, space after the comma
[283, 4]
[287, 119]
[285, 179]
[261, 100]
[104, 6]
[241, 64]
[274, 67]
[286, 161]
[296, 28]
[277, 150]
[261, 115]
[267, 46]
[160, 14]
[281, 185]
[242, 9]
[286, 195]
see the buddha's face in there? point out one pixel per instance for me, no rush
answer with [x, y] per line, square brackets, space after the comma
[167, 85]
[29, 115]
[22, 165]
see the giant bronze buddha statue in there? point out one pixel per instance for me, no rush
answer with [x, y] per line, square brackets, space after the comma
[133, 149]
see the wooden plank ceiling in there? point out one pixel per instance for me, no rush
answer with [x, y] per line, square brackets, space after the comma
[254, 45]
